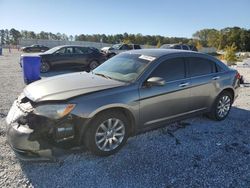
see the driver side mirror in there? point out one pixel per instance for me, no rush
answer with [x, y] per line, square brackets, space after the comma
[155, 81]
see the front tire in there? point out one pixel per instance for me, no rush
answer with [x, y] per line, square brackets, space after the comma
[45, 67]
[93, 65]
[221, 106]
[107, 133]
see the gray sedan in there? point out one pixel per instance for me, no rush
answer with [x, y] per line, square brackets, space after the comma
[132, 92]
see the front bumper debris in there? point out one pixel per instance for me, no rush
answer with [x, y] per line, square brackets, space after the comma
[19, 138]
[35, 137]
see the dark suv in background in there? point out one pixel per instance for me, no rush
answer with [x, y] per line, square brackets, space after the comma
[179, 47]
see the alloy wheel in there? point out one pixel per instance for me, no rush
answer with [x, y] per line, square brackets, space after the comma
[44, 67]
[223, 106]
[93, 65]
[110, 134]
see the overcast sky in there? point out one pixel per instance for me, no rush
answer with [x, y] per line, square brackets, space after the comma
[180, 18]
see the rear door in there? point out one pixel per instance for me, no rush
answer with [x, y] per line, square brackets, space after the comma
[161, 103]
[82, 56]
[204, 78]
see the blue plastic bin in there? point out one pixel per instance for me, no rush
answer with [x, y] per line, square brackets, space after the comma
[1, 51]
[31, 68]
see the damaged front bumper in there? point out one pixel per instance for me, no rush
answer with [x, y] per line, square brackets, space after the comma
[35, 137]
[19, 138]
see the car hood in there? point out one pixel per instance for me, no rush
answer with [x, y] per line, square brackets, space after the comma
[68, 85]
[105, 48]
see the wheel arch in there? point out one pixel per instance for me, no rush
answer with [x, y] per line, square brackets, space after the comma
[229, 90]
[124, 111]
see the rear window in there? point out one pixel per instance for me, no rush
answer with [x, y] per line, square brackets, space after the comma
[200, 66]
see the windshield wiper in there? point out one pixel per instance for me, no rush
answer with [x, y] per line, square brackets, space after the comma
[103, 75]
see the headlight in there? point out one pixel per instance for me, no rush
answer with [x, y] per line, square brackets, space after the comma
[54, 111]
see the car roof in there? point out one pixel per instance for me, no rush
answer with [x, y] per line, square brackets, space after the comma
[61, 46]
[160, 52]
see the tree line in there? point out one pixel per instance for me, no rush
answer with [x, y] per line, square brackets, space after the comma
[220, 39]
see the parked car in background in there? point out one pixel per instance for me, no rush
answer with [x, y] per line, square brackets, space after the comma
[179, 46]
[129, 93]
[118, 48]
[71, 56]
[35, 48]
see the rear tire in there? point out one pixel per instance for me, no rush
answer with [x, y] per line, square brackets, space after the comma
[107, 133]
[221, 106]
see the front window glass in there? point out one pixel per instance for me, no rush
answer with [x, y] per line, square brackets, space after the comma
[170, 70]
[124, 67]
[52, 50]
[126, 47]
[116, 46]
[61, 51]
[69, 50]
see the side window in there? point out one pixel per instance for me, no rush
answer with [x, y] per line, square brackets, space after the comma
[200, 66]
[125, 47]
[61, 51]
[218, 68]
[177, 47]
[184, 47]
[82, 50]
[170, 70]
[69, 50]
[137, 46]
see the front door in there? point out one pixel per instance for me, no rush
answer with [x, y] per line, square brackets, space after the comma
[161, 103]
[63, 57]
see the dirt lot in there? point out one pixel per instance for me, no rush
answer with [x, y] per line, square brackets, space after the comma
[198, 153]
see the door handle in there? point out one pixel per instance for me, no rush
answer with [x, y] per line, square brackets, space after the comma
[216, 78]
[184, 84]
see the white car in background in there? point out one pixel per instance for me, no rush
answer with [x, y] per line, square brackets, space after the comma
[118, 48]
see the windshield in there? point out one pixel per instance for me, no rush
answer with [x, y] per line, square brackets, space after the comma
[124, 67]
[52, 50]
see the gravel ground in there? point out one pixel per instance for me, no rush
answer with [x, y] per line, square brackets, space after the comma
[196, 153]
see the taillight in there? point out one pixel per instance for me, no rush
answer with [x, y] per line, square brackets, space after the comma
[238, 76]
